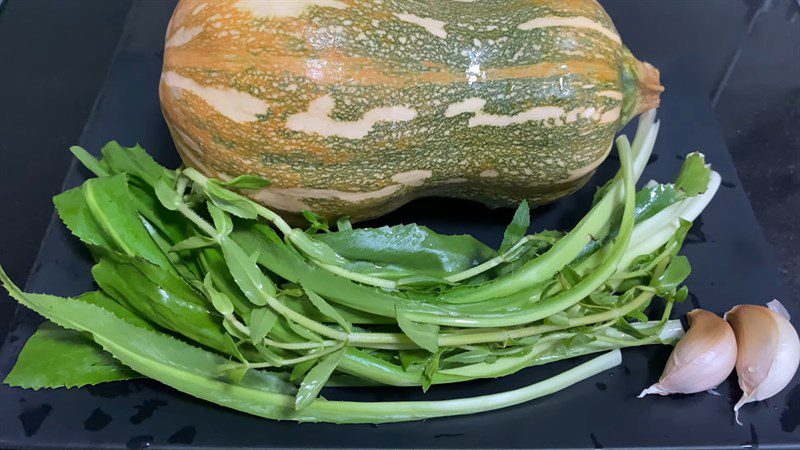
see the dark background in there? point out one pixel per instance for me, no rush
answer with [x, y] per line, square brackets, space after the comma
[743, 55]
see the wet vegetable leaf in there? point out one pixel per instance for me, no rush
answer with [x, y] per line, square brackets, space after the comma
[316, 378]
[694, 175]
[55, 357]
[652, 199]
[102, 300]
[162, 298]
[405, 250]
[675, 274]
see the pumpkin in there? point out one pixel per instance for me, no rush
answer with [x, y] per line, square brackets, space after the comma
[355, 107]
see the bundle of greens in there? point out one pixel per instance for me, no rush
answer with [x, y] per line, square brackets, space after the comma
[215, 295]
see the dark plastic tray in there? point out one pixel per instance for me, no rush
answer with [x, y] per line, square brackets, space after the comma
[731, 265]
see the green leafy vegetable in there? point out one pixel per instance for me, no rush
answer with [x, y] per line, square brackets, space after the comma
[207, 291]
[316, 378]
[343, 224]
[230, 202]
[254, 284]
[328, 310]
[99, 213]
[54, 357]
[317, 222]
[424, 335]
[676, 273]
[135, 162]
[261, 322]
[90, 162]
[246, 182]
[517, 228]
[193, 243]
[405, 250]
[694, 175]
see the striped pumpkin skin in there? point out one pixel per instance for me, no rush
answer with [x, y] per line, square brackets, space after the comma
[355, 107]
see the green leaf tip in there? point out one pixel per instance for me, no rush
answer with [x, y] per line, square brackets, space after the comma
[247, 182]
[694, 175]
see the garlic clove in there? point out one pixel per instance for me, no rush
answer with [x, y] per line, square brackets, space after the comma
[769, 350]
[701, 360]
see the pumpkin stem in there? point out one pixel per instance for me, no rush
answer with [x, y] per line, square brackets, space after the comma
[649, 87]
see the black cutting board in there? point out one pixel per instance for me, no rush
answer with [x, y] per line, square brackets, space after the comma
[731, 265]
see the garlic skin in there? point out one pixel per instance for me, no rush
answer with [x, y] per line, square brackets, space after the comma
[701, 360]
[769, 350]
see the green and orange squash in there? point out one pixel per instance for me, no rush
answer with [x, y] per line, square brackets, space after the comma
[355, 107]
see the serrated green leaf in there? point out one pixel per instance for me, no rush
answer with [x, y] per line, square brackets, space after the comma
[414, 360]
[316, 378]
[102, 300]
[55, 357]
[162, 298]
[603, 298]
[474, 356]
[568, 277]
[652, 199]
[99, 213]
[638, 315]
[134, 161]
[157, 355]
[430, 370]
[681, 294]
[578, 340]
[694, 176]
[559, 319]
[624, 326]
[172, 225]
